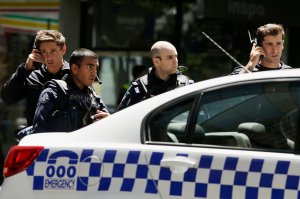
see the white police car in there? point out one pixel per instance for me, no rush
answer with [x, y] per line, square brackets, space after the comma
[229, 137]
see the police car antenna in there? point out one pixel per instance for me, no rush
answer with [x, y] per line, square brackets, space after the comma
[250, 38]
[232, 58]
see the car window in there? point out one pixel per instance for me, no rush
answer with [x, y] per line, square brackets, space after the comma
[211, 109]
[259, 115]
[168, 124]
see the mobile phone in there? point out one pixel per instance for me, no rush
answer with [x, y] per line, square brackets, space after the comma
[254, 41]
[36, 65]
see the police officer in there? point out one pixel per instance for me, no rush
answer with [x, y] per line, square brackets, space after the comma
[71, 104]
[163, 76]
[266, 50]
[28, 80]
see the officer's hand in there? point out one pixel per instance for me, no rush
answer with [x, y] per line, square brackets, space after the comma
[255, 55]
[34, 56]
[100, 115]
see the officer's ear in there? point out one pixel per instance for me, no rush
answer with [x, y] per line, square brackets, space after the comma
[156, 60]
[74, 68]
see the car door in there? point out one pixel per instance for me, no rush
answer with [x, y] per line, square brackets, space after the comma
[236, 141]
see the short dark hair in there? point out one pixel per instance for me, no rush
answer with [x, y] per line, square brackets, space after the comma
[80, 53]
[269, 29]
[49, 35]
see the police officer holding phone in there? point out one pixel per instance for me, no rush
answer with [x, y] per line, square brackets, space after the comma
[266, 50]
[45, 62]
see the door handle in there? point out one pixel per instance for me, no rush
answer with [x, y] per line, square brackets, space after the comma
[178, 164]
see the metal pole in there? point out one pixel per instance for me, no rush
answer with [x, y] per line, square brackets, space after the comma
[232, 58]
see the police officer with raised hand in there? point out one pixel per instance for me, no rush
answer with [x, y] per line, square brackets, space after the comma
[266, 50]
[45, 62]
[162, 77]
[69, 104]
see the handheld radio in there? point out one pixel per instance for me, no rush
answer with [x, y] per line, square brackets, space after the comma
[36, 65]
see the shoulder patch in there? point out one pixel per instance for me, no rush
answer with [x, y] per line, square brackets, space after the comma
[45, 97]
[137, 90]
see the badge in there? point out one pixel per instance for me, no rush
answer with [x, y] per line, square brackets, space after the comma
[137, 90]
[45, 97]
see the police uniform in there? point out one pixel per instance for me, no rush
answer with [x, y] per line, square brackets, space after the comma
[63, 107]
[260, 67]
[150, 85]
[29, 84]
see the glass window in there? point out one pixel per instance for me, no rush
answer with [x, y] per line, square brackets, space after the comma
[169, 124]
[260, 115]
[128, 24]
[254, 115]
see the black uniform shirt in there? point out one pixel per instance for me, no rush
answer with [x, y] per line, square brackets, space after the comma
[29, 84]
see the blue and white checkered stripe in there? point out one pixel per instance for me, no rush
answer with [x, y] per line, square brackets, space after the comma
[232, 177]
[119, 171]
[214, 177]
